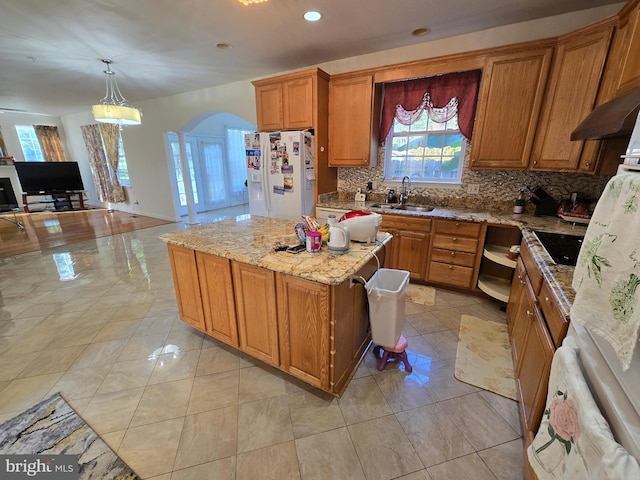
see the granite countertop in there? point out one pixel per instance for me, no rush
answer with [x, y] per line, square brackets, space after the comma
[558, 276]
[252, 240]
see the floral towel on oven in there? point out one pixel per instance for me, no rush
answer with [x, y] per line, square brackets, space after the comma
[607, 275]
[574, 440]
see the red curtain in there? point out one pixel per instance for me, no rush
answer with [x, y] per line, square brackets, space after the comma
[441, 88]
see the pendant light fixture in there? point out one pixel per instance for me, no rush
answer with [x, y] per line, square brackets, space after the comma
[114, 108]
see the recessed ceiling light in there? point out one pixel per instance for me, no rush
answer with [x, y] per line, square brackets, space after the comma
[312, 16]
[420, 32]
[224, 46]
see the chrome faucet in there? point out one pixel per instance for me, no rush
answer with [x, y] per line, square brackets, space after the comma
[406, 189]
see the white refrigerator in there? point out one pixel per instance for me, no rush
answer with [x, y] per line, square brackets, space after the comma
[280, 174]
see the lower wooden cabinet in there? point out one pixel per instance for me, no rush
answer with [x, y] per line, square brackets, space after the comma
[303, 329]
[187, 286]
[214, 274]
[315, 332]
[455, 256]
[410, 245]
[255, 295]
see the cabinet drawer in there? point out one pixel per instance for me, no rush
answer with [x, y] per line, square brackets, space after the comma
[556, 322]
[454, 242]
[535, 276]
[451, 256]
[403, 222]
[448, 274]
[457, 228]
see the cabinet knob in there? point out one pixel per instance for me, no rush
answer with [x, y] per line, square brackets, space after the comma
[457, 224]
[588, 164]
[454, 239]
[530, 313]
[535, 162]
[546, 299]
[450, 267]
[453, 254]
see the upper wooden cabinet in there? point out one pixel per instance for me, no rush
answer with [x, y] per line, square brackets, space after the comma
[351, 112]
[570, 95]
[629, 29]
[508, 108]
[290, 102]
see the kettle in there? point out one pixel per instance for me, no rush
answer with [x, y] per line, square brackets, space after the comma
[339, 239]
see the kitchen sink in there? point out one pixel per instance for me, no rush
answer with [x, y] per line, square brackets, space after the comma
[408, 208]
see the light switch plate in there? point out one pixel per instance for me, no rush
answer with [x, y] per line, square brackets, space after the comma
[360, 197]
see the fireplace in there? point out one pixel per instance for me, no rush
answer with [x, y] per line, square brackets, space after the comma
[7, 197]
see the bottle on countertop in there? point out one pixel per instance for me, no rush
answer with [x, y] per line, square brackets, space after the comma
[518, 206]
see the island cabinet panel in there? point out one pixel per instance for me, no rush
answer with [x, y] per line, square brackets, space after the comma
[571, 95]
[186, 285]
[255, 293]
[303, 329]
[508, 108]
[216, 286]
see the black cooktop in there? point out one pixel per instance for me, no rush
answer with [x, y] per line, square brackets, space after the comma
[562, 248]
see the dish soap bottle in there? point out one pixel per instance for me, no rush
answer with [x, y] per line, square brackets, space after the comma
[518, 206]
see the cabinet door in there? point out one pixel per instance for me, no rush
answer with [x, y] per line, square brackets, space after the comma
[410, 252]
[269, 105]
[630, 77]
[571, 95]
[522, 319]
[390, 248]
[303, 320]
[186, 285]
[515, 295]
[508, 109]
[255, 293]
[350, 121]
[216, 285]
[533, 372]
[298, 103]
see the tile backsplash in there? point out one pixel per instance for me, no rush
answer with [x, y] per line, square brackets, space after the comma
[498, 188]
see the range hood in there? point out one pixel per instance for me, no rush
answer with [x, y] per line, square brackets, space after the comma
[615, 118]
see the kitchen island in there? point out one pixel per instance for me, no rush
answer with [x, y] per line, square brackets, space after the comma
[305, 313]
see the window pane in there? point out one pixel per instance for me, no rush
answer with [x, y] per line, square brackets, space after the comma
[123, 169]
[426, 151]
[29, 143]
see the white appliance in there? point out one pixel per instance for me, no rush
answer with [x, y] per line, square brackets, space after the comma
[280, 174]
[363, 228]
[616, 392]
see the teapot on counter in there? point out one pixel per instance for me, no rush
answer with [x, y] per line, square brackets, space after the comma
[339, 239]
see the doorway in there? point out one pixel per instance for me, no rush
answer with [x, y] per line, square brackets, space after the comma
[217, 163]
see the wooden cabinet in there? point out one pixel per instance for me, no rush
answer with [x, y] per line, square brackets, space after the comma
[290, 102]
[410, 244]
[351, 121]
[216, 287]
[299, 101]
[532, 372]
[570, 95]
[508, 108]
[454, 255]
[186, 284]
[303, 320]
[629, 28]
[557, 323]
[255, 298]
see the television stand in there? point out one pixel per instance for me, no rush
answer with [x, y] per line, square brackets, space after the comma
[57, 199]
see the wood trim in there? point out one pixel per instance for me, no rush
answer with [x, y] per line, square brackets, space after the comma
[291, 76]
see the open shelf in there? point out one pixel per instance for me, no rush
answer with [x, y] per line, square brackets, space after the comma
[498, 254]
[495, 287]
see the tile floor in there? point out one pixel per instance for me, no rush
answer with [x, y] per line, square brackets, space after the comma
[97, 321]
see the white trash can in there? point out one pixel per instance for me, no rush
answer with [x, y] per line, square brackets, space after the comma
[387, 293]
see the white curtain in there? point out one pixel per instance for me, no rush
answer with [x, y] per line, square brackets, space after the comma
[237, 164]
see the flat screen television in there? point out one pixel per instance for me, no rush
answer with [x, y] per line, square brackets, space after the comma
[47, 178]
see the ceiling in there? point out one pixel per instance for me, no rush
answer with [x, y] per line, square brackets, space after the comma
[50, 51]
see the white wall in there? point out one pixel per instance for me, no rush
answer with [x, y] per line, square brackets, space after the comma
[146, 156]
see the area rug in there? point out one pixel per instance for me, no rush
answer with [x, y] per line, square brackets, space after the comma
[421, 294]
[484, 356]
[52, 427]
